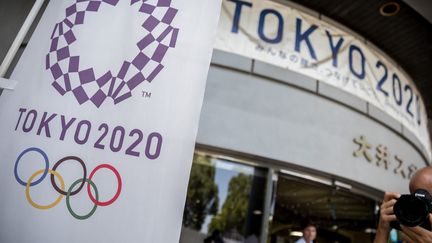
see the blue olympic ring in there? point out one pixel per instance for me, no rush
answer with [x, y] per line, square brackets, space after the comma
[44, 173]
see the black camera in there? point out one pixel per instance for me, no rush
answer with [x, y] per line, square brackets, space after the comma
[413, 210]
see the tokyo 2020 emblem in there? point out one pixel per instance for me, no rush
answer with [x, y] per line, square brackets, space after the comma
[42, 173]
[71, 75]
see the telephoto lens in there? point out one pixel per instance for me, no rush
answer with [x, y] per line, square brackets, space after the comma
[413, 209]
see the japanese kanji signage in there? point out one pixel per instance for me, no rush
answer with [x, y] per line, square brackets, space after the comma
[381, 157]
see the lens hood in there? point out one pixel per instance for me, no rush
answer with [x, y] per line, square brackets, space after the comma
[410, 210]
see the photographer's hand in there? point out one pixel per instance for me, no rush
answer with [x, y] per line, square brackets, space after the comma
[417, 234]
[386, 216]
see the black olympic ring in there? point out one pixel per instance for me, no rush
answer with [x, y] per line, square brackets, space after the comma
[83, 179]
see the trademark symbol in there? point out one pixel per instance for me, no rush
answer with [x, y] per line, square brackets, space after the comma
[146, 94]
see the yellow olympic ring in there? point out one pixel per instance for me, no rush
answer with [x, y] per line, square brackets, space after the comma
[28, 190]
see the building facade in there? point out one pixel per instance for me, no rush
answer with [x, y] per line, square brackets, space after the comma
[303, 147]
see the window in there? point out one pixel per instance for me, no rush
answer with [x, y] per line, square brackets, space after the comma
[224, 199]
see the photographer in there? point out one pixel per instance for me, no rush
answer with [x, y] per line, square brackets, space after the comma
[422, 179]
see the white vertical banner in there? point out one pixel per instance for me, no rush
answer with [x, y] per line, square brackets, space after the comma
[96, 141]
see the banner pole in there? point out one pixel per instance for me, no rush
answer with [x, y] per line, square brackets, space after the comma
[20, 37]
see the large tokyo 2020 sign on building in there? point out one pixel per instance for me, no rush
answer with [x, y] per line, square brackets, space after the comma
[283, 36]
[97, 139]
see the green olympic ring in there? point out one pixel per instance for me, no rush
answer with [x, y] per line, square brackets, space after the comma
[69, 192]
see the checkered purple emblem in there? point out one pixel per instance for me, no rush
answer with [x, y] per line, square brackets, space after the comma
[70, 76]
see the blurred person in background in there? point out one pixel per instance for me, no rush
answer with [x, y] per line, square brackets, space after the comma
[309, 230]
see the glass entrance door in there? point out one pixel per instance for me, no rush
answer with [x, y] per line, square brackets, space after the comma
[225, 201]
[341, 216]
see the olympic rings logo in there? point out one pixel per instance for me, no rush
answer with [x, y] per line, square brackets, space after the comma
[61, 189]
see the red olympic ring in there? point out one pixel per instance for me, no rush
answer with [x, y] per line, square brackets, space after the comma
[106, 203]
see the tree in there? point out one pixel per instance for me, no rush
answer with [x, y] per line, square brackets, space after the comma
[233, 213]
[202, 197]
